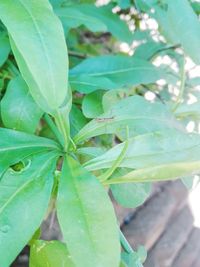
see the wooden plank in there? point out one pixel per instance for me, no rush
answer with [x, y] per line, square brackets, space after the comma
[190, 252]
[149, 222]
[172, 240]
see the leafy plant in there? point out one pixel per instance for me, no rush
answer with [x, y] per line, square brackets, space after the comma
[76, 122]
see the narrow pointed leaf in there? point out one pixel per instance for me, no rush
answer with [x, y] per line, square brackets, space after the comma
[152, 149]
[24, 198]
[45, 56]
[87, 218]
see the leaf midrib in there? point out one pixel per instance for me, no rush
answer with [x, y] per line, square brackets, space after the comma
[43, 44]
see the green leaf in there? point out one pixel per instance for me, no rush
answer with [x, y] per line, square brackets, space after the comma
[18, 109]
[73, 16]
[112, 72]
[92, 104]
[96, 19]
[4, 47]
[174, 13]
[188, 111]
[49, 254]
[153, 149]
[77, 120]
[131, 195]
[140, 115]
[40, 50]
[24, 198]
[87, 218]
[148, 49]
[124, 3]
[169, 171]
[15, 146]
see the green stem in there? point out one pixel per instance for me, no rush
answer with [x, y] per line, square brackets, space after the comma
[126, 246]
[117, 162]
[53, 127]
[63, 126]
[182, 87]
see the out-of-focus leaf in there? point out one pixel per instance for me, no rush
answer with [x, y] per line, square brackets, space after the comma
[24, 198]
[140, 115]
[49, 254]
[43, 62]
[96, 19]
[188, 111]
[112, 72]
[131, 195]
[92, 104]
[18, 109]
[87, 218]
[4, 47]
[77, 120]
[149, 49]
[171, 17]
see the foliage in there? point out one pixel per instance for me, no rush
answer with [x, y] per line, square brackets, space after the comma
[77, 122]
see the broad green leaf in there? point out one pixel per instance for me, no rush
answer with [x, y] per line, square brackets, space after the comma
[153, 149]
[92, 104]
[4, 47]
[172, 16]
[96, 19]
[140, 115]
[87, 218]
[18, 109]
[15, 146]
[49, 254]
[131, 195]
[40, 51]
[24, 198]
[112, 72]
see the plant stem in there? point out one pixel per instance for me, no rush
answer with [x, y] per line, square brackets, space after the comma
[63, 126]
[53, 127]
[126, 246]
[117, 162]
[182, 87]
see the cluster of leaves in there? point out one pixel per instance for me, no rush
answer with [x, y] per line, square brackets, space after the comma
[76, 123]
